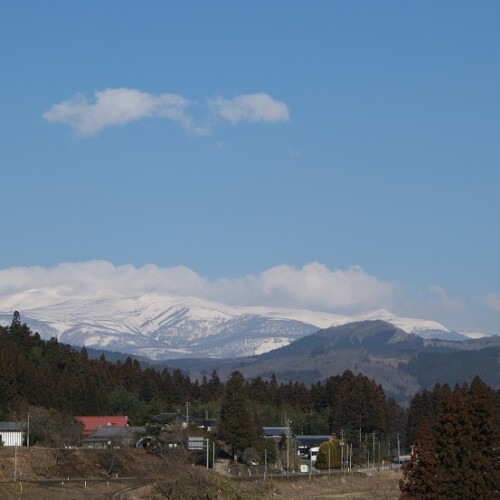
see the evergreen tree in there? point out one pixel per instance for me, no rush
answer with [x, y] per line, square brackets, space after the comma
[421, 477]
[238, 425]
[455, 454]
[16, 320]
[485, 450]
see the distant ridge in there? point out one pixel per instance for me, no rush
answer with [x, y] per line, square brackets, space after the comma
[169, 327]
[375, 336]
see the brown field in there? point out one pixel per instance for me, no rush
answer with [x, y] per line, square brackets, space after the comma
[82, 474]
[381, 485]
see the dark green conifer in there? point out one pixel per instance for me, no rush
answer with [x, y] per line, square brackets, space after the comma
[238, 425]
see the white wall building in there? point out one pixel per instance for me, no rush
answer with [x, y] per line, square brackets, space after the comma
[313, 454]
[11, 434]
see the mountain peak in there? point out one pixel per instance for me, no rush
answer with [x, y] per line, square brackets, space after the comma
[167, 326]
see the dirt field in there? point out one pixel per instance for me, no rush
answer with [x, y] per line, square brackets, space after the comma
[76, 473]
[83, 474]
[382, 485]
[44, 463]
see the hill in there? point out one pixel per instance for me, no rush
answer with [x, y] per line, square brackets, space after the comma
[401, 362]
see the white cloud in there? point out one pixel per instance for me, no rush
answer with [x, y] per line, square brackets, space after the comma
[118, 107]
[258, 107]
[313, 286]
[112, 107]
[317, 286]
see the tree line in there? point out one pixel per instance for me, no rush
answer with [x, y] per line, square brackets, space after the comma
[453, 434]
[56, 376]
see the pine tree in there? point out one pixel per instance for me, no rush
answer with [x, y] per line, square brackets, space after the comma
[485, 443]
[456, 453]
[421, 477]
[16, 320]
[238, 425]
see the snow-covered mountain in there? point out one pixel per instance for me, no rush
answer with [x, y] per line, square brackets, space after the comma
[162, 327]
[424, 328]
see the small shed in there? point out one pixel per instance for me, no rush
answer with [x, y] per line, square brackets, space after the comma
[11, 434]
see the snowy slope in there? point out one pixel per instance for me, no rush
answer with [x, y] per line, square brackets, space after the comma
[422, 327]
[161, 326]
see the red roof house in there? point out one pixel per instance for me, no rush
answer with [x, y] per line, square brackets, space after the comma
[92, 424]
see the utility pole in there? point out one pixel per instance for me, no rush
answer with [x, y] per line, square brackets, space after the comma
[288, 422]
[342, 449]
[28, 433]
[399, 452]
[373, 446]
[188, 404]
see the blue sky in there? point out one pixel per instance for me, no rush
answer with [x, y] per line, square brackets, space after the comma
[338, 144]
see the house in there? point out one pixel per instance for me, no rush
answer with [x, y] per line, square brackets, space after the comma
[274, 432]
[109, 431]
[210, 424]
[114, 437]
[176, 419]
[308, 446]
[11, 434]
[92, 424]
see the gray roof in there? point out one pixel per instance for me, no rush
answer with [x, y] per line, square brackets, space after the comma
[116, 432]
[9, 426]
[314, 440]
[274, 431]
[179, 418]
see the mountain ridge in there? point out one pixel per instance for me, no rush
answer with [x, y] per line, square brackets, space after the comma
[167, 327]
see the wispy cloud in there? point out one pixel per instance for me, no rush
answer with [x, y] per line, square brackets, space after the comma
[113, 107]
[440, 298]
[313, 286]
[492, 301]
[250, 107]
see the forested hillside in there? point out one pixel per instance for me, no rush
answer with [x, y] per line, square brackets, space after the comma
[47, 374]
[402, 363]
[451, 368]
[458, 430]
